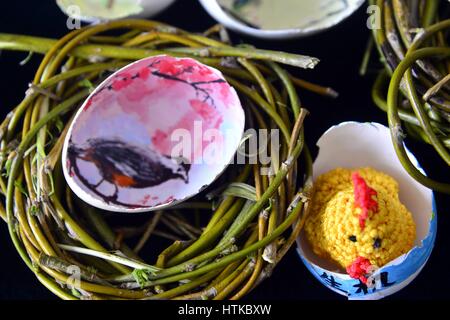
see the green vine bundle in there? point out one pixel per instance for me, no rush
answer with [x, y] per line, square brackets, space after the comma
[412, 38]
[76, 251]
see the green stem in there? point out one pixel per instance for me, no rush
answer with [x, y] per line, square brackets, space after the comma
[110, 257]
[237, 255]
[395, 122]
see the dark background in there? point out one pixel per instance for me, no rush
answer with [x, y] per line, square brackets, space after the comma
[340, 49]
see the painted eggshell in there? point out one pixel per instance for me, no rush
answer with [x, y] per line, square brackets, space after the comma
[153, 134]
[354, 145]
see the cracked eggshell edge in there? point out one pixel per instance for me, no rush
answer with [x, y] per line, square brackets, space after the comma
[353, 145]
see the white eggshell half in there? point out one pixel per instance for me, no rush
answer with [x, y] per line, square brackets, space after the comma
[354, 145]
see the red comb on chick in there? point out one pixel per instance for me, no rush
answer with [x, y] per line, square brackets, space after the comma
[363, 198]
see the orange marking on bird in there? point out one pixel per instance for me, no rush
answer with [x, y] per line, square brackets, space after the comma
[123, 181]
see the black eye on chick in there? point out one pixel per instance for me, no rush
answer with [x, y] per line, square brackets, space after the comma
[377, 243]
[352, 238]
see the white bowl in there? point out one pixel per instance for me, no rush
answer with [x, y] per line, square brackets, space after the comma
[355, 145]
[215, 10]
[92, 10]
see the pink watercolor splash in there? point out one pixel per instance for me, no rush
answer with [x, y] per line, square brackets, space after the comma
[180, 90]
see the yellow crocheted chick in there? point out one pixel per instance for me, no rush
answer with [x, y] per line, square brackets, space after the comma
[357, 220]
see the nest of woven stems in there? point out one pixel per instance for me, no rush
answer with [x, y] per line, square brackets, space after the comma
[222, 243]
[414, 89]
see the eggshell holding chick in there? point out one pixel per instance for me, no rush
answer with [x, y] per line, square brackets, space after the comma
[355, 145]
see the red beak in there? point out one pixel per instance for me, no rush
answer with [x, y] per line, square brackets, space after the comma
[360, 269]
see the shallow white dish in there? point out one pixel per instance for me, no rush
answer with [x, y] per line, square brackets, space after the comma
[217, 12]
[96, 10]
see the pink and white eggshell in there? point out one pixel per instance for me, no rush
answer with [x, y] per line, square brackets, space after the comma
[119, 151]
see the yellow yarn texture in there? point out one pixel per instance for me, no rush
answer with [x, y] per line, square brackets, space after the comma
[333, 228]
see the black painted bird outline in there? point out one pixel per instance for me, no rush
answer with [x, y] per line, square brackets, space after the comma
[124, 165]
